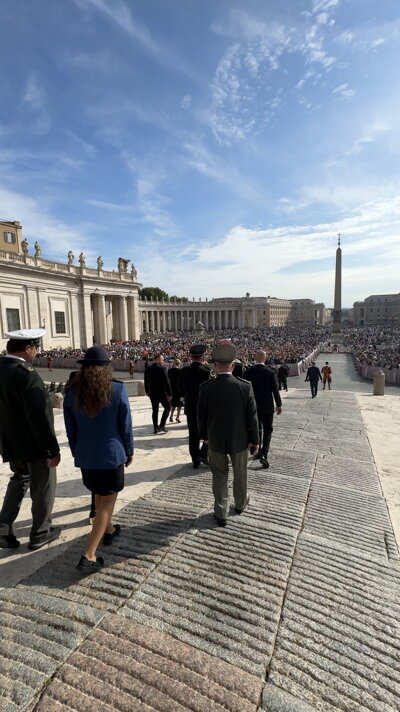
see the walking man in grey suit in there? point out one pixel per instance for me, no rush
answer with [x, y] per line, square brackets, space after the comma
[227, 417]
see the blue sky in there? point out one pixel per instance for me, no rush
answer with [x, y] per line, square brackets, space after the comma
[219, 145]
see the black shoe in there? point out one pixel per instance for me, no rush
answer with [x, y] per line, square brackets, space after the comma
[264, 462]
[155, 431]
[108, 538]
[54, 533]
[9, 541]
[196, 464]
[239, 511]
[162, 429]
[89, 567]
[220, 522]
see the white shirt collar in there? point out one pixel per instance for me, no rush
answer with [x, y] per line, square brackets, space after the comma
[19, 358]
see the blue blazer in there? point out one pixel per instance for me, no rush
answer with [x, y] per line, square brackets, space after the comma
[105, 441]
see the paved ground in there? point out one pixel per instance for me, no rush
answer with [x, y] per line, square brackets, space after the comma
[293, 607]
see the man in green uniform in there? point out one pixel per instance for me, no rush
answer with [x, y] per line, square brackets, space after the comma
[27, 441]
[227, 418]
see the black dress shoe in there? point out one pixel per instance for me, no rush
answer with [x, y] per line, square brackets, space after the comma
[155, 431]
[220, 522]
[196, 464]
[54, 533]
[9, 541]
[108, 538]
[239, 511]
[162, 429]
[264, 462]
[89, 567]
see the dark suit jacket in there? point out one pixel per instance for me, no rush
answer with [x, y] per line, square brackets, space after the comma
[26, 416]
[104, 441]
[156, 381]
[265, 387]
[191, 377]
[313, 374]
[227, 414]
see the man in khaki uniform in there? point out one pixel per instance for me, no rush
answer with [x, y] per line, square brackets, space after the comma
[27, 441]
[227, 417]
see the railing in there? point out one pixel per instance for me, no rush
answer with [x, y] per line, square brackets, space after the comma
[392, 375]
[52, 265]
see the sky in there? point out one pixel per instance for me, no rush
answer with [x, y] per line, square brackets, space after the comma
[221, 146]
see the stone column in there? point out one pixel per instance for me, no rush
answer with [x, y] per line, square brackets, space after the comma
[99, 320]
[146, 319]
[157, 321]
[206, 319]
[120, 306]
[134, 321]
[87, 326]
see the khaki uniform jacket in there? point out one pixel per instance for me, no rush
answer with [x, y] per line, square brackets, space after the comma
[227, 414]
[26, 416]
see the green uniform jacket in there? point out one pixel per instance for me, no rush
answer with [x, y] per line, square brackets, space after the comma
[26, 416]
[227, 414]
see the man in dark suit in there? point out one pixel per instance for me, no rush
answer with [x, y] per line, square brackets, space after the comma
[27, 441]
[313, 376]
[228, 422]
[265, 387]
[191, 377]
[158, 388]
[283, 371]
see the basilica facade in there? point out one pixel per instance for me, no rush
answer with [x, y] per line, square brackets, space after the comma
[80, 305]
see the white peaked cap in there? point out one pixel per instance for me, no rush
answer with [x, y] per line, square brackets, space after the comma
[25, 334]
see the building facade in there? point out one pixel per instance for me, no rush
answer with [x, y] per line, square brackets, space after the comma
[377, 309]
[229, 313]
[76, 304]
[79, 305]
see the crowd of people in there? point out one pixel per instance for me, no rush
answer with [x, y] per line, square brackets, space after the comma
[374, 345]
[289, 344]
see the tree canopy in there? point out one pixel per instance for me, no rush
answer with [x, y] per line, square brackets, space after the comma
[153, 293]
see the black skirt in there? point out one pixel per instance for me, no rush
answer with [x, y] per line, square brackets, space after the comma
[104, 482]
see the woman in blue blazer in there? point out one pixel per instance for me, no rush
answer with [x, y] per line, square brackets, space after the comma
[99, 429]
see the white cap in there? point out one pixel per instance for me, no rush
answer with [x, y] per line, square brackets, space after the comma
[25, 334]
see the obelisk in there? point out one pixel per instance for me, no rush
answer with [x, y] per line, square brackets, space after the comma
[337, 307]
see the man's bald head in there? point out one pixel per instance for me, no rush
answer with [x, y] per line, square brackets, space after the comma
[260, 356]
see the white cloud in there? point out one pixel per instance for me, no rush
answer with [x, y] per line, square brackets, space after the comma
[370, 135]
[54, 236]
[186, 102]
[258, 259]
[323, 5]
[119, 12]
[343, 91]
[34, 99]
[346, 37]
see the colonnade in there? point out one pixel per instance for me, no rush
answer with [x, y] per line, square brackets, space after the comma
[114, 317]
[162, 320]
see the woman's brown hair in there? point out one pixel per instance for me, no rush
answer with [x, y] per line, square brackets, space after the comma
[93, 389]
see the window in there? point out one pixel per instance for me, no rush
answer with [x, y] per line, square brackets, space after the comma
[13, 320]
[10, 238]
[59, 318]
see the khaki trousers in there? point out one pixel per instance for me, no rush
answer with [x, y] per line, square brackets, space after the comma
[219, 466]
[41, 482]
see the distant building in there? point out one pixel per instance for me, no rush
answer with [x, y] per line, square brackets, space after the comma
[378, 309]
